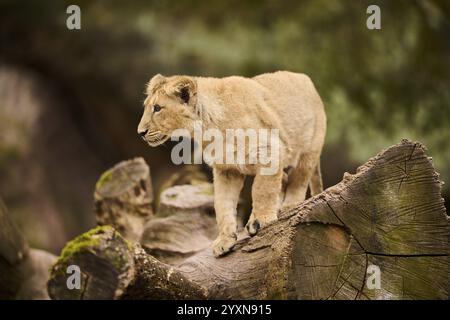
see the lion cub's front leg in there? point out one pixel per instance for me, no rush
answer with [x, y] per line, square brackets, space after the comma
[266, 192]
[227, 187]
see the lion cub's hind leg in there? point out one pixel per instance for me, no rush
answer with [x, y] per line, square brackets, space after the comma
[227, 187]
[266, 192]
[299, 179]
[315, 184]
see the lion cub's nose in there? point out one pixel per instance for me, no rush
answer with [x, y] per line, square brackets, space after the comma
[142, 133]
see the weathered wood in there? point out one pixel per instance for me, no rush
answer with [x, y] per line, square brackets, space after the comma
[123, 198]
[114, 268]
[390, 214]
[23, 271]
[35, 271]
[189, 174]
[185, 223]
[106, 263]
[187, 199]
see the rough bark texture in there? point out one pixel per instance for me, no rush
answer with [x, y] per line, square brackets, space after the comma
[123, 198]
[389, 214]
[23, 271]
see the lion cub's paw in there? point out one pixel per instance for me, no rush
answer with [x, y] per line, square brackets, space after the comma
[223, 244]
[254, 225]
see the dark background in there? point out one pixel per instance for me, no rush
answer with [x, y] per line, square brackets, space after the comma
[70, 101]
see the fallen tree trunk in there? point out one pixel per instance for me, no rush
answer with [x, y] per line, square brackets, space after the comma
[23, 271]
[389, 215]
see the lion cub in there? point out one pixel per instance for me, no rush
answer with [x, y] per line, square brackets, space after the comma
[286, 103]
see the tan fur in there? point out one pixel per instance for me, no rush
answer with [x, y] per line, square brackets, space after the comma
[283, 100]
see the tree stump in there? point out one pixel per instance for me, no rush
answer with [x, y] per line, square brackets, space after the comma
[123, 198]
[389, 214]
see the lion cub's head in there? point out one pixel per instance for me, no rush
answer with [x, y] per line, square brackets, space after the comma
[170, 105]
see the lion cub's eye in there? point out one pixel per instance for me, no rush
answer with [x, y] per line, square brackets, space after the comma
[156, 108]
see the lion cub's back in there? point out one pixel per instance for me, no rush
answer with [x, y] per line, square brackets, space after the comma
[290, 88]
[294, 98]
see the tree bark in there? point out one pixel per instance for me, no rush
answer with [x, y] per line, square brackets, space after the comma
[23, 271]
[389, 214]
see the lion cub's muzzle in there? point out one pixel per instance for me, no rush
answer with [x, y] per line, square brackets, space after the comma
[153, 138]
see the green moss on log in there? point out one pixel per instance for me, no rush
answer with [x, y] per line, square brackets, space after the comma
[105, 178]
[86, 241]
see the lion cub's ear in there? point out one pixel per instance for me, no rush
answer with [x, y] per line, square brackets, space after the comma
[155, 83]
[185, 88]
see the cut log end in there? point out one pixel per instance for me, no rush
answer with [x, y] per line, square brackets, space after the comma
[122, 177]
[187, 198]
[184, 225]
[390, 215]
[105, 260]
[113, 268]
[123, 198]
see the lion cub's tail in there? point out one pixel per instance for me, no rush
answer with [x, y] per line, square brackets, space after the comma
[315, 184]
